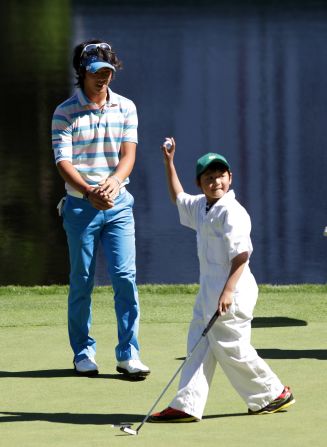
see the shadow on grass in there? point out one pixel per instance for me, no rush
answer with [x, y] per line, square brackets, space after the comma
[71, 418]
[53, 373]
[277, 322]
[87, 419]
[319, 354]
[218, 416]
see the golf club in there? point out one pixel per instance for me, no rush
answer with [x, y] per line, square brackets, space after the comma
[127, 428]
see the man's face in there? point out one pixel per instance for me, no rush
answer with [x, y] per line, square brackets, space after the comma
[97, 83]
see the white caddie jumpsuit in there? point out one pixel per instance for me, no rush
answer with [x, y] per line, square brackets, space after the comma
[222, 233]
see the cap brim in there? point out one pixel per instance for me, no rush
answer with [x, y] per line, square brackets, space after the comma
[93, 67]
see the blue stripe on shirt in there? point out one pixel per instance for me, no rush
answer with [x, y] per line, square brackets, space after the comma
[95, 155]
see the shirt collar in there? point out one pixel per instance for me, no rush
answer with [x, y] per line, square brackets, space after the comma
[113, 100]
[230, 195]
[84, 100]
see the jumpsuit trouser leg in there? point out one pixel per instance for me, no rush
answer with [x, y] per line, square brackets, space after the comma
[228, 343]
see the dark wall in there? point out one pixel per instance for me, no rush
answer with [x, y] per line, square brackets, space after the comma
[246, 79]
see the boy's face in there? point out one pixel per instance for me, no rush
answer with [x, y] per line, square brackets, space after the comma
[214, 183]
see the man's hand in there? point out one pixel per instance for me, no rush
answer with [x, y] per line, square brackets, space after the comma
[109, 188]
[100, 202]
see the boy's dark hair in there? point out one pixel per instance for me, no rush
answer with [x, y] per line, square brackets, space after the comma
[109, 56]
[214, 166]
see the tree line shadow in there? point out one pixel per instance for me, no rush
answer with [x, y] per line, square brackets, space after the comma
[258, 322]
[118, 418]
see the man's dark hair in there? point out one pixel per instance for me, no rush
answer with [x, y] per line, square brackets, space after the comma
[108, 56]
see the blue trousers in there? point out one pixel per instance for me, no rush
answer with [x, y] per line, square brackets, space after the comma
[86, 227]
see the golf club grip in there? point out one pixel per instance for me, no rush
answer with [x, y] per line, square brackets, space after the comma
[211, 323]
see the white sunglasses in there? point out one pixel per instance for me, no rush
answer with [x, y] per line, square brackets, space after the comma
[93, 48]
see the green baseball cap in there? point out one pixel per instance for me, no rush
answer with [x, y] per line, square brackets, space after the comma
[205, 161]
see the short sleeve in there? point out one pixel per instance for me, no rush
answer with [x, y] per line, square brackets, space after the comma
[61, 136]
[130, 124]
[237, 229]
[188, 206]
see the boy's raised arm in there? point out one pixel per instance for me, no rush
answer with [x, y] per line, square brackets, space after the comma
[174, 185]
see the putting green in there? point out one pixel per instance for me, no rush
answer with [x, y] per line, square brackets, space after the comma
[44, 404]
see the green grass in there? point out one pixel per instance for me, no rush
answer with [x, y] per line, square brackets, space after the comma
[44, 404]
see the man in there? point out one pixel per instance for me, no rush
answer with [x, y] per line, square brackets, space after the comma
[94, 136]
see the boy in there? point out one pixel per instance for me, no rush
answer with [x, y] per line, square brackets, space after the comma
[226, 282]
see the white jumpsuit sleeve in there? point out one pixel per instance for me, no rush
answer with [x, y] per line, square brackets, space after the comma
[236, 230]
[187, 208]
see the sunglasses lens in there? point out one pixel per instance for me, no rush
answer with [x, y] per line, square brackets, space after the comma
[93, 48]
[105, 46]
[90, 48]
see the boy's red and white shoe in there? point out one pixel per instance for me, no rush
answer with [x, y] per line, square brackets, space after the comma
[172, 415]
[284, 400]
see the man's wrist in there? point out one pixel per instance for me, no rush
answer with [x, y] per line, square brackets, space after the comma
[119, 182]
[86, 193]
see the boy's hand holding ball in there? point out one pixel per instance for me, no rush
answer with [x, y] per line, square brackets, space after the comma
[168, 148]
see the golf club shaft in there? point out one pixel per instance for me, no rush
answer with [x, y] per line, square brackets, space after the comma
[211, 323]
[204, 333]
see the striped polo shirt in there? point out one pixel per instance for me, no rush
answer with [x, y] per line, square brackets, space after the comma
[90, 138]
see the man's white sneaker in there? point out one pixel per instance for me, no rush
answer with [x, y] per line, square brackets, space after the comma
[133, 368]
[86, 367]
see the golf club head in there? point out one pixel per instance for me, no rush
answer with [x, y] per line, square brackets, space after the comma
[127, 429]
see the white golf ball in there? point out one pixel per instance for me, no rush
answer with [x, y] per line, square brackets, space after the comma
[325, 231]
[167, 145]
